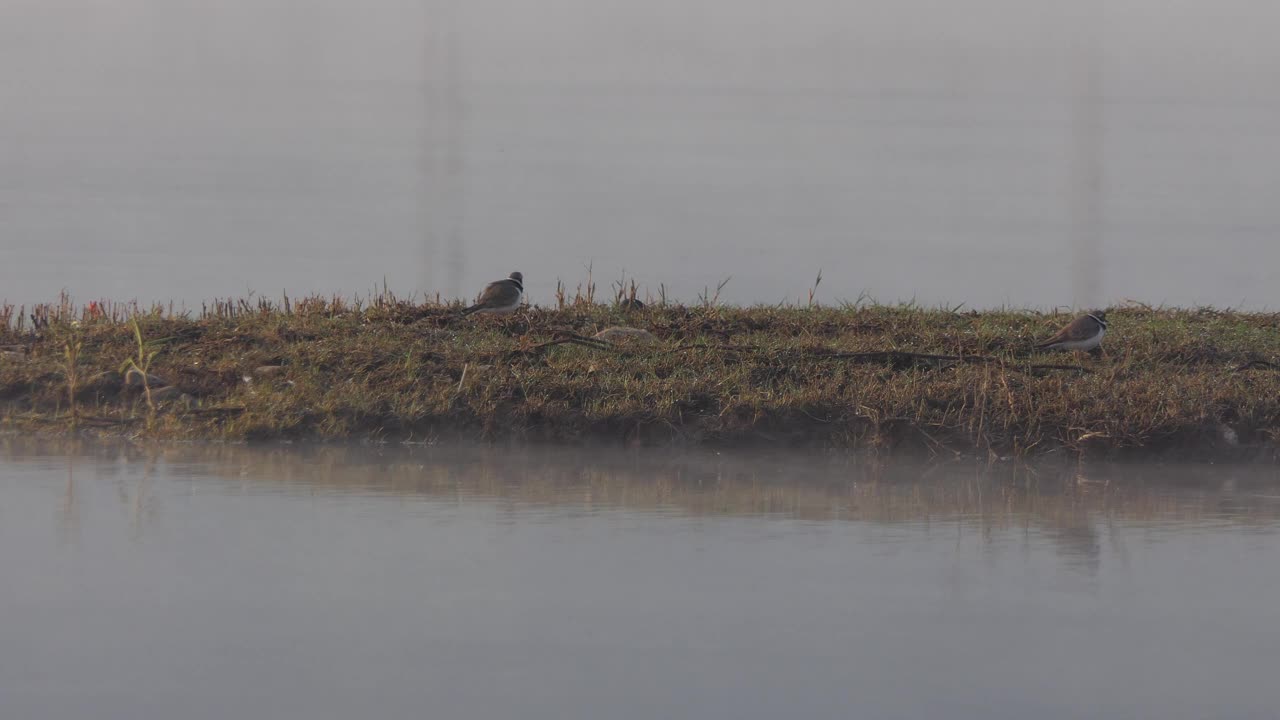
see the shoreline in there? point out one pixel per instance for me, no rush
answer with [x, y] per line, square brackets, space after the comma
[1195, 383]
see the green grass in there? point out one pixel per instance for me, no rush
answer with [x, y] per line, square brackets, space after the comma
[393, 369]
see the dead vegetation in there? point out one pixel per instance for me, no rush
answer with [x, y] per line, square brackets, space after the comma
[858, 376]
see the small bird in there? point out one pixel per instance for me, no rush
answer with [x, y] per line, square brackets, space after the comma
[1083, 333]
[501, 297]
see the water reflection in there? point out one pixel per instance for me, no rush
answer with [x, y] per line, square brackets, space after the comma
[1074, 506]
[69, 527]
[207, 581]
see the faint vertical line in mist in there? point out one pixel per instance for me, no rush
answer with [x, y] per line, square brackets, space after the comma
[422, 211]
[1086, 158]
[443, 145]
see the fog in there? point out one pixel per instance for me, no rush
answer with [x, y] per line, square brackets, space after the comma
[992, 152]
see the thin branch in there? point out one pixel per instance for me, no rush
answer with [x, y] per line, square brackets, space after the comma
[903, 357]
[565, 339]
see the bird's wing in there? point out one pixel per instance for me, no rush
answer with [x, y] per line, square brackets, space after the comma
[1081, 328]
[498, 294]
[1061, 336]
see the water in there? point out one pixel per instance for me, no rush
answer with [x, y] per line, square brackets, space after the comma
[459, 582]
[1034, 153]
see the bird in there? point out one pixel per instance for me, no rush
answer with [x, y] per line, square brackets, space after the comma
[1083, 333]
[500, 297]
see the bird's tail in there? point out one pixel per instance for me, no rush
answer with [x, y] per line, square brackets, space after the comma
[472, 309]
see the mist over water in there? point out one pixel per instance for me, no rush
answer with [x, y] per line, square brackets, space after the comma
[990, 152]
[223, 581]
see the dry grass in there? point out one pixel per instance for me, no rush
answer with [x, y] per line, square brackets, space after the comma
[856, 376]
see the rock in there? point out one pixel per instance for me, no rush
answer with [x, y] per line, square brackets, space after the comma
[1228, 435]
[16, 353]
[263, 372]
[100, 385]
[165, 394]
[625, 334]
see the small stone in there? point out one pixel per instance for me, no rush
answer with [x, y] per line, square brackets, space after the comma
[165, 394]
[263, 372]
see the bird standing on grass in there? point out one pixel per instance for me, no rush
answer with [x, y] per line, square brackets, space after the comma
[501, 297]
[1083, 333]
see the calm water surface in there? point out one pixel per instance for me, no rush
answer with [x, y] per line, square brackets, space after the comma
[202, 582]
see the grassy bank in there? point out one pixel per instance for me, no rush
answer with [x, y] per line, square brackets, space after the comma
[1194, 381]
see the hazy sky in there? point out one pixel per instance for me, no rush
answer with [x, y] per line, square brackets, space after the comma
[151, 148]
[1164, 45]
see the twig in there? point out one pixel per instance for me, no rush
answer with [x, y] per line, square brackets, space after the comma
[566, 339]
[218, 410]
[882, 355]
[97, 420]
[899, 357]
[933, 443]
[727, 348]
[462, 380]
[902, 356]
